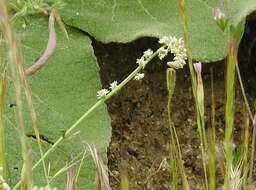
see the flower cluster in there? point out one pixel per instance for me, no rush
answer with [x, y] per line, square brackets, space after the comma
[139, 76]
[176, 47]
[103, 92]
[170, 44]
[144, 59]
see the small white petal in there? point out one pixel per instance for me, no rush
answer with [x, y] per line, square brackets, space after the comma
[164, 40]
[162, 53]
[177, 48]
[142, 62]
[113, 85]
[103, 92]
[147, 53]
[139, 76]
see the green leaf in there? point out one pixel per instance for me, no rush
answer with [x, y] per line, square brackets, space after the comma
[236, 10]
[62, 90]
[124, 21]
[241, 10]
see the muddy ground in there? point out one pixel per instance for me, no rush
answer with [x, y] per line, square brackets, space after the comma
[139, 147]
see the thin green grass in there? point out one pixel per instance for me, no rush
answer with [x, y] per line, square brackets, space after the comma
[245, 144]
[175, 151]
[229, 110]
[16, 73]
[212, 140]
[199, 107]
[2, 136]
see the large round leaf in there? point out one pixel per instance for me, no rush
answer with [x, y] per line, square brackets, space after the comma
[62, 91]
[124, 21]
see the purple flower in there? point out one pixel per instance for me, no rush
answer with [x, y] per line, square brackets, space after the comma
[218, 14]
[198, 67]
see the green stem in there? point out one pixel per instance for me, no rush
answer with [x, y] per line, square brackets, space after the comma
[80, 167]
[245, 153]
[253, 150]
[88, 112]
[175, 151]
[229, 109]
[199, 117]
[62, 170]
[34, 123]
[212, 140]
[16, 73]
[2, 138]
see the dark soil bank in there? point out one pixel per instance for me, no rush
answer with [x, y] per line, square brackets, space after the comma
[140, 141]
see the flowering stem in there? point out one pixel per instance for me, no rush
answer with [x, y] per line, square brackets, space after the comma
[200, 118]
[229, 109]
[88, 112]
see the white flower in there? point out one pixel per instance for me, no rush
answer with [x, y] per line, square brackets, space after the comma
[162, 52]
[113, 85]
[142, 62]
[147, 53]
[176, 47]
[176, 64]
[139, 76]
[163, 40]
[144, 59]
[103, 92]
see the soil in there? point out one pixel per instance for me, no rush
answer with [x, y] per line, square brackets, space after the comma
[139, 148]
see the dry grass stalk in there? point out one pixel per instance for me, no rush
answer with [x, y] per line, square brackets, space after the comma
[102, 179]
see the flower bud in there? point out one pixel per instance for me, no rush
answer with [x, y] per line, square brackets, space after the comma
[220, 18]
[198, 67]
